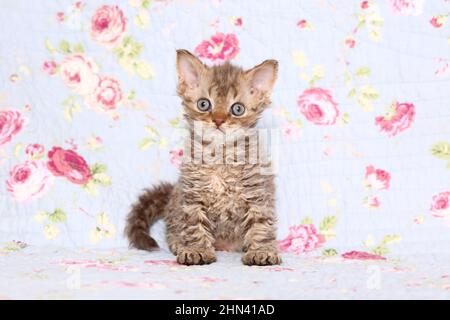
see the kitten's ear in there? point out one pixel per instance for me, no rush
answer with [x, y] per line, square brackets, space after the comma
[189, 68]
[262, 77]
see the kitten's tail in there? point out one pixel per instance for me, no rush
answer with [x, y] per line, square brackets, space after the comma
[148, 209]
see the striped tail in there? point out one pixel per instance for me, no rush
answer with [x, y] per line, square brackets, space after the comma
[144, 213]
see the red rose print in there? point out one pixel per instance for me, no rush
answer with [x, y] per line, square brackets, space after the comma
[69, 164]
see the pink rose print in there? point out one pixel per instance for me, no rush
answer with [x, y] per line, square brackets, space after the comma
[318, 106]
[29, 180]
[301, 238]
[407, 7]
[443, 68]
[69, 164]
[372, 202]
[290, 131]
[94, 264]
[279, 269]
[128, 284]
[108, 25]
[220, 48]
[399, 118]
[60, 16]
[360, 255]
[79, 74]
[35, 150]
[418, 220]
[350, 42]
[302, 24]
[440, 205]
[11, 123]
[176, 157]
[49, 67]
[78, 5]
[238, 22]
[365, 4]
[162, 262]
[438, 21]
[377, 178]
[107, 95]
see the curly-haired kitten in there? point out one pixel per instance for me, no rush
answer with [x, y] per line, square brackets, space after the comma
[224, 204]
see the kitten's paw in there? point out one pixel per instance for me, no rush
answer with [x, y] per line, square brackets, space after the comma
[195, 256]
[261, 258]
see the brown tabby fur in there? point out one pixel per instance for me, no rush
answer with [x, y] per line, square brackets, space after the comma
[215, 206]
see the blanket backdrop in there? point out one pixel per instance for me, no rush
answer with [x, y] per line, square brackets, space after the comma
[88, 112]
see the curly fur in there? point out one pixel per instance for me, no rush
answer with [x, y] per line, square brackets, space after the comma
[149, 208]
[224, 206]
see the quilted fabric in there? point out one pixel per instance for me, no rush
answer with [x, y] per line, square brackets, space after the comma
[360, 120]
[62, 273]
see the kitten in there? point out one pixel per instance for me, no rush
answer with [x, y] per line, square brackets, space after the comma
[222, 204]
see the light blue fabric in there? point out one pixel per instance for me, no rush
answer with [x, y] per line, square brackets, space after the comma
[309, 183]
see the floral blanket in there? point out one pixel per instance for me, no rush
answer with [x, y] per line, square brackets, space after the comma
[359, 127]
[60, 273]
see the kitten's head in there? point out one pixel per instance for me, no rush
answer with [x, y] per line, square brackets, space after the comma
[224, 97]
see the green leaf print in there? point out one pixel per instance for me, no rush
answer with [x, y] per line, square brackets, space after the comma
[441, 150]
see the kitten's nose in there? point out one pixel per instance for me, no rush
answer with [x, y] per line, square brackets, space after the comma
[218, 121]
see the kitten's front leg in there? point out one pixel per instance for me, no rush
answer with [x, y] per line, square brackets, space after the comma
[196, 238]
[259, 243]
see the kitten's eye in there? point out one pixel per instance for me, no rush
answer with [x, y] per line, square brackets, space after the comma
[237, 109]
[203, 105]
